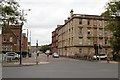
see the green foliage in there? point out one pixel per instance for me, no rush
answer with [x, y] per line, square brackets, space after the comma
[9, 11]
[43, 48]
[112, 13]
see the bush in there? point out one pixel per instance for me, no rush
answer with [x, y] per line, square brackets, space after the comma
[5, 51]
[116, 57]
[24, 53]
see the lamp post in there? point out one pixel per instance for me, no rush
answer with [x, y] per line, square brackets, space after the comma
[21, 43]
[30, 42]
[21, 25]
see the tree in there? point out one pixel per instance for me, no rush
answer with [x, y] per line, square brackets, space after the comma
[43, 48]
[112, 13]
[9, 12]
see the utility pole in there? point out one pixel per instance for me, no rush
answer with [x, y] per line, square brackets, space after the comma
[21, 43]
[30, 42]
[37, 54]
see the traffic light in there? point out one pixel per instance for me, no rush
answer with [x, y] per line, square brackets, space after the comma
[37, 44]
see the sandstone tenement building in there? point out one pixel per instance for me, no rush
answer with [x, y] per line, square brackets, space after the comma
[79, 34]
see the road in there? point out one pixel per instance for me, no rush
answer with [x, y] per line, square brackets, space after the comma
[64, 68]
[0, 66]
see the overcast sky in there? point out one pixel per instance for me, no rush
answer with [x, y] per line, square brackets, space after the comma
[45, 15]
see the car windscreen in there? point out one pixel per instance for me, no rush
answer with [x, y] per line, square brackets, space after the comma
[10, 54]
[102, 54]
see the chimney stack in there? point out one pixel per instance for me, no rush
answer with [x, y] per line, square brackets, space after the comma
[71, 13]
[65, 21]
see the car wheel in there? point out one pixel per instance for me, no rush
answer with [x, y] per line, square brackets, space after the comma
[16, 58]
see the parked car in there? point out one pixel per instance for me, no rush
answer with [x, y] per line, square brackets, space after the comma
[11, 56]
[55, 55]
[101, 56]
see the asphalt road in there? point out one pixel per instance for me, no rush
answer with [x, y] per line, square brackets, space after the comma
[64, 68]
[0, 66]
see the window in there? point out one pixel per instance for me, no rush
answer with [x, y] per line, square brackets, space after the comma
[72, 41]
[80, 31]
[4, 39]
[105, 41]
[101, 41]
[111, 34]
[80, 42]
[100, 33]
[88, 22]
[69, 30]
[69, 41]
[94, 26]
[88, 51]
[80, 50]
[105, 23]
[72, 31]
[80, 22]
[10, 39]
[88, 41]
[106, 34]
[88, 31]
[100, 23]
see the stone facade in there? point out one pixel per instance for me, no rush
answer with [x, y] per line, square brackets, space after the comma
[80, 33]
[55, 39]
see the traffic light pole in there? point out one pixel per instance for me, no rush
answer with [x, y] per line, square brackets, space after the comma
[37, 54]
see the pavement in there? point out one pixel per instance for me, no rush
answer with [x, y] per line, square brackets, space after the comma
[41, 59]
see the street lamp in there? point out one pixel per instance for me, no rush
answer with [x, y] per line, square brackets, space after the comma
[21, 25]
[21, 43]
[30, 42]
